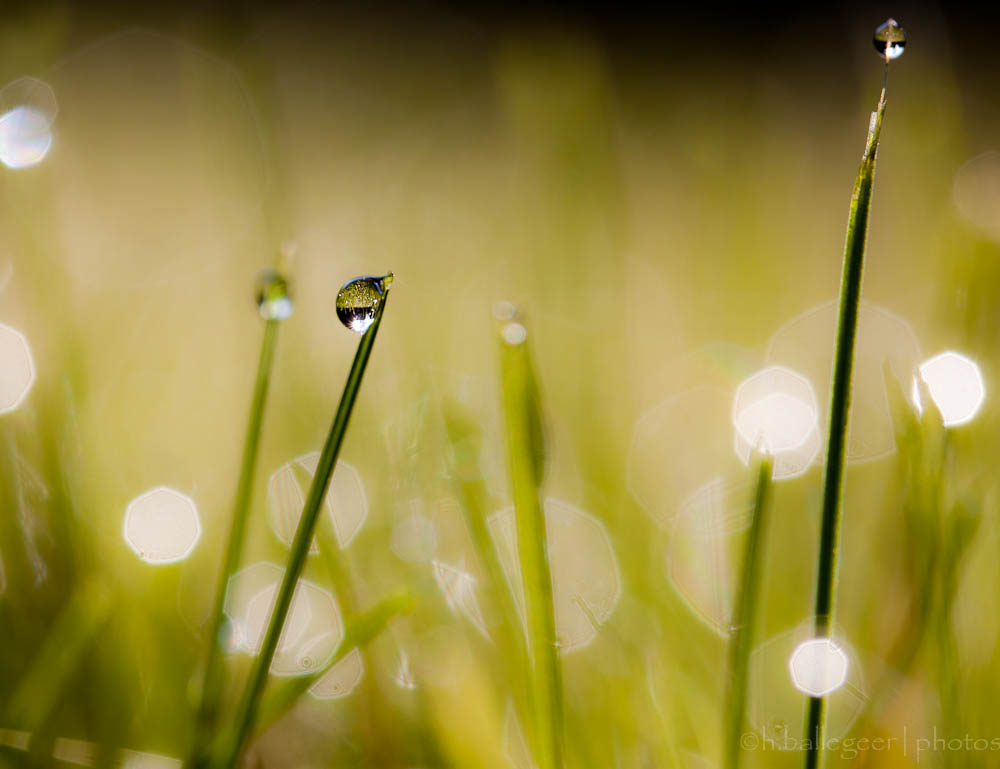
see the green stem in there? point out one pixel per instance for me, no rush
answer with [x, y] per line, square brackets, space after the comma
[211, 685]
[360, 632]
[840, 405]
[743, 616]
[522, 428]
[246, 713]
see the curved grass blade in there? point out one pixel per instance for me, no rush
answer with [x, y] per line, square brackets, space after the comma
[247, 709]
[840, 405]
[212, 678]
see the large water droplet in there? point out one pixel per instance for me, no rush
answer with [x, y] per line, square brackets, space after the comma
[273, 298]
[889, 40]
[358, 301]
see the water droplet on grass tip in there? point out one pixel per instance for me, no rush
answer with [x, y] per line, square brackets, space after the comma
[273, 298]
[514, 334]
[889, 40]
[358, 301]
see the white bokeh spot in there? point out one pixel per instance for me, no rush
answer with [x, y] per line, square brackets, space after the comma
[818, 667]
[955, 384]
[776, 410]
[162, 526]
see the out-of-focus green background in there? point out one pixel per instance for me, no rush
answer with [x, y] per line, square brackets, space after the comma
[659, 196]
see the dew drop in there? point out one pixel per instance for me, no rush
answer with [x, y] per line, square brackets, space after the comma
[889, 40]
[514, 334]
[359, 300]
[273, 298]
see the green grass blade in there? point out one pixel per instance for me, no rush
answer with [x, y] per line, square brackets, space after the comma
[212, 678]
[365, 628]
[523, 437]
[743, 617]
[840, 405]
[465, 437]
[247, 710]
[44, 683]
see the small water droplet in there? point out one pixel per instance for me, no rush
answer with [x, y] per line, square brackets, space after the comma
[514, 334]
[358, 301]
[889, 40]
[273, 298]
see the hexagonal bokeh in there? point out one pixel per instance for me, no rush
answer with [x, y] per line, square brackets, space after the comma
[677, 446]
[161, 525]
[27, 108]
[776, 410]
[459, 589]
[805, 345]
[341, 679]
[345, 500]
[977, 192]
[706, 549]
[955, 384]
[818, 667]
[17, 369]
[585, 580]
[777, 709]
[313, 626]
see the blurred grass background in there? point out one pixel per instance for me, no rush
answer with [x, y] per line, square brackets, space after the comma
[658, 194]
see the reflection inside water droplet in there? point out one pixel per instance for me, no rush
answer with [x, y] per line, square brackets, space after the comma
[358, 301]
[889, 39]
[273, 298]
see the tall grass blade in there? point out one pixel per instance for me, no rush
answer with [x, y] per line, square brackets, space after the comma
[743, 617]
[247, 709]
[525, 460]
[212, 679]
[840, 405]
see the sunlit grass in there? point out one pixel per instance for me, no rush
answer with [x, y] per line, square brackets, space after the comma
[673, 242]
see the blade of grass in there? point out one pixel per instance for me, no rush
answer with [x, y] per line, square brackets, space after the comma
[40, 688]
[247, 709]
[212, 678]
[465, 437]
[524, 454]
[840, 406]
[743, 615]
[365, 628]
